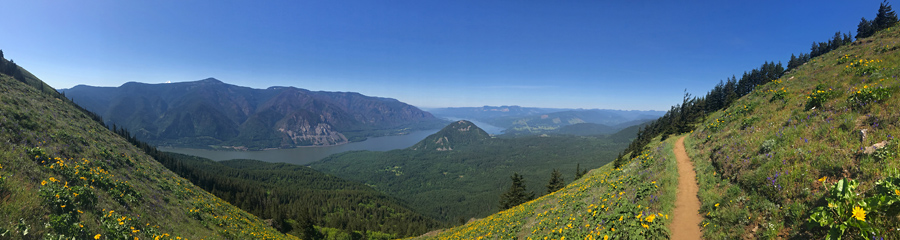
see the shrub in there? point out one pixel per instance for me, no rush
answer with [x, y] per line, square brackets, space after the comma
[847, 212]
[861, 98]
[862, 67]
[820, 96]
[888, 152]
[767, 146]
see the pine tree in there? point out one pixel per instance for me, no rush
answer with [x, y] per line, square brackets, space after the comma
[516, 194]
[864, 29]
[556, 182]
[579, 173]
[886, 17]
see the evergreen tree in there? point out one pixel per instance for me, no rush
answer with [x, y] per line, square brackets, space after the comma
[306, 228]
[578, 172]
[556, 182]
[886, 17]
[864, 29]
[516, 194]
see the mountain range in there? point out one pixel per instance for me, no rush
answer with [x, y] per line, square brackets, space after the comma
[518, 120]
[210, 113]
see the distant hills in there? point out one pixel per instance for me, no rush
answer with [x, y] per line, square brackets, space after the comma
[528, 120]
[209, 113]
[460, 171]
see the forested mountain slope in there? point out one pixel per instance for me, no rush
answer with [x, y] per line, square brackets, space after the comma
[64, 175]
[460, 171]
[294, 195]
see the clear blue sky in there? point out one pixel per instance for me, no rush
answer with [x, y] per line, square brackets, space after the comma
[574, 54]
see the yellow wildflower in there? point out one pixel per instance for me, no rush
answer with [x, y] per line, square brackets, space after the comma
[823, 179]
[859, 213]
[97, 236]
[897, 192]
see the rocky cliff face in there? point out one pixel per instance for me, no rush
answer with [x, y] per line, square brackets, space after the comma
[210, 112]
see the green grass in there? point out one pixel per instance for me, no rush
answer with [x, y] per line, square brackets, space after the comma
[65, 174]
[805, 126]
[606, 202]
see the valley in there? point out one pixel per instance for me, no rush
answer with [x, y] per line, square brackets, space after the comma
[306, 155]
[355, 122]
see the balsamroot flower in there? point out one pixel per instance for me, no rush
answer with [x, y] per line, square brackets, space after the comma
[859, 213]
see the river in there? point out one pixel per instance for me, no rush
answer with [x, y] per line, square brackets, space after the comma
[305, 155]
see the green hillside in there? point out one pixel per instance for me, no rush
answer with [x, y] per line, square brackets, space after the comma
[64, 175]
[631, 202]
[772, 158]
[806, 152]
[460, 172]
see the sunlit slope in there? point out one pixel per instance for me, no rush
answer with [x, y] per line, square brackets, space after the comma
[62, 173]
[765, 164]
[633, 202]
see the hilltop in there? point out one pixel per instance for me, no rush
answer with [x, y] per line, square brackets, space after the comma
[64, 175]
[209, 113]
[460, 133]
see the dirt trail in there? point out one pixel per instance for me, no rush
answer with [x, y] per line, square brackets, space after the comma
[686, 220]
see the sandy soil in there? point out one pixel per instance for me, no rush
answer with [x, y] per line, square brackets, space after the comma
[686, 220]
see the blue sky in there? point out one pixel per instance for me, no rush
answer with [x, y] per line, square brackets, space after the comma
[569, 54]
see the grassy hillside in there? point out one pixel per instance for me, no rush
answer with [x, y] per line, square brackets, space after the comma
[777, 154]
[452, 175]
[62, 173]
[632, 202]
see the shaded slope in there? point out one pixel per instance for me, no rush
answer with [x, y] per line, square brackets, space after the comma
[62, 173]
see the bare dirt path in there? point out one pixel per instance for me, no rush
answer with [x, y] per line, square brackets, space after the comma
[686, 220]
